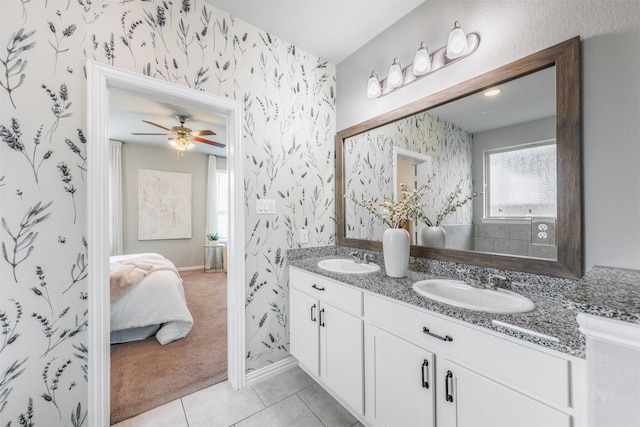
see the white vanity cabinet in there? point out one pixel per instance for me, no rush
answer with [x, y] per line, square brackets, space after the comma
[400, 381]
[327, 334]
[474, 378]
[467, 398]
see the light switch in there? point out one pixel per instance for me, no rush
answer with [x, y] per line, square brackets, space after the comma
[265, 206]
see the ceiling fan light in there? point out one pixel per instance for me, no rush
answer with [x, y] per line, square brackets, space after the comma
[457, 44]
[422, 61]
[373, 86]
[395, 77]
[181, 144]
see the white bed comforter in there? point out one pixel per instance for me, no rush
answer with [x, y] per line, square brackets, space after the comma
[157, 299]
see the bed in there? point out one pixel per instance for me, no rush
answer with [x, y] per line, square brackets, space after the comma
[147, 298]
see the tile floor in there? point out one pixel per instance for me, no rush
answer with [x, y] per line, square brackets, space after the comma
[291, 398]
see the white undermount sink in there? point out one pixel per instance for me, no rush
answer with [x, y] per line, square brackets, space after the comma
[340, 265]
[459, 294]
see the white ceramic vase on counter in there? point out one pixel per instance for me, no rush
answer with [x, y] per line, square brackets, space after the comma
[395, 247]
[433, 237]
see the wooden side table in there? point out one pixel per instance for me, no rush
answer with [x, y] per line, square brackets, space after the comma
[214, 247]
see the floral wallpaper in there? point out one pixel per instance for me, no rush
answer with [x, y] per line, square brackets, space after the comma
[369, 168]
[289, 125]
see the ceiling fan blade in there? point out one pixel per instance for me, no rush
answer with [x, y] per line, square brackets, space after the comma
[138, 133]
[202, 132]
[154, 124]
[206, 141]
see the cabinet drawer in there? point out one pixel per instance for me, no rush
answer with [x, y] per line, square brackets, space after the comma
[520, 366]
[327, 290]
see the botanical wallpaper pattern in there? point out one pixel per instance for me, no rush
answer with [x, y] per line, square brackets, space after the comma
[369, 168]
[289, 124]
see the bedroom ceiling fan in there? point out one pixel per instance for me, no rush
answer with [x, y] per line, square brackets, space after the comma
[181, 138]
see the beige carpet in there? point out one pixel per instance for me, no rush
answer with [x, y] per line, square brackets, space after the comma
[145, 374]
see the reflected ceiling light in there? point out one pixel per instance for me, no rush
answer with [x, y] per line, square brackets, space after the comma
[492, 92]
[457, 44]
[422, 60]
[395, 76]
[181, 144]
[373, 86]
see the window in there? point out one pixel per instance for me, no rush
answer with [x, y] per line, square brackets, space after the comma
[520, 181]
[222, 202]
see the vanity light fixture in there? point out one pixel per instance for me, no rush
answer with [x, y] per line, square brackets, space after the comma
[422, 60]
[492, 92]
[459, 45]
[373, 87]
[395, 77]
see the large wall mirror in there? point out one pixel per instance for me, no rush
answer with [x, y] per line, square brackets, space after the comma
[521, 149]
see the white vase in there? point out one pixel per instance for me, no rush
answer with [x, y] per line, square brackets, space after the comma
[433, 237]
[395, 247]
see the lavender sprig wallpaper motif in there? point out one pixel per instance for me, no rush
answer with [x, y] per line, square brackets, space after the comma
[369, 168]
[289, 125]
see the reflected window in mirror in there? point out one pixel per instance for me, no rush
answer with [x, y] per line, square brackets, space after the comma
[520, 182]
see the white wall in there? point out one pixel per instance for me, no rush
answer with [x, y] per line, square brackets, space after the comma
[182, 252]
[509, 30]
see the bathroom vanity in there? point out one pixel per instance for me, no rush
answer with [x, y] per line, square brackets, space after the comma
[395, 358]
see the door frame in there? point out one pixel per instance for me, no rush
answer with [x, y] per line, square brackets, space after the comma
[101, 79]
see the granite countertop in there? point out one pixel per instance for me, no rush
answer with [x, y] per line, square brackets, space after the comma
[554, 317]
[608, 292]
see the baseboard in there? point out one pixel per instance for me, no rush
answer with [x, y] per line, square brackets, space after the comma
[270, 370]
[193, 267]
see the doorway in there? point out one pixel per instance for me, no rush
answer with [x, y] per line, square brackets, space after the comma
[101, 79]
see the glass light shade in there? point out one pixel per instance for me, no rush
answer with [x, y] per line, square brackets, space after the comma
[395, 77]
[181, 144]
[457, 44]
[422, 61]
[373, 86]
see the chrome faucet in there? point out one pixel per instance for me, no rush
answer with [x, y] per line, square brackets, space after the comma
[360, 258]
[489, 281]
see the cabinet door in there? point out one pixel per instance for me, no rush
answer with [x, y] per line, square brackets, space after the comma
[341, 345]
[468, 399]
[400, 381]
[304, 331]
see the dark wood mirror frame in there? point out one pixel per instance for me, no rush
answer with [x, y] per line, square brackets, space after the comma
[569, 264]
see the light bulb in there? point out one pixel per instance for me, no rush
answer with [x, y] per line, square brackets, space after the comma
[457, 44]
[395, 77]
[422, 61]
[373, 86]
[492, 92]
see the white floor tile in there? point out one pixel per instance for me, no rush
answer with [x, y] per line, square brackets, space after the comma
[290, 412]
[283, 385]
[220, 406]
[168, 415]
[330, 412]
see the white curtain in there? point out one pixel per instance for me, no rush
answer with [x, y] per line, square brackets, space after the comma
[212, 203]
[115, 198]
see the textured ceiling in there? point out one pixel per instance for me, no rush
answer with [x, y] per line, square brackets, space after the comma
[330, 29]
